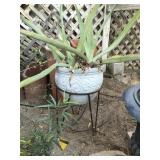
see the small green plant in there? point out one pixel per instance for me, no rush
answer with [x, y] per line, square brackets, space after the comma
[42, 142]
[25, 145]
[58, 114]
[39, 144]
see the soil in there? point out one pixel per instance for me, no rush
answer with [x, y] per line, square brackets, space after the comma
[114, 122]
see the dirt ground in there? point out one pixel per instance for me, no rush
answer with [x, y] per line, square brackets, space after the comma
[114, 122]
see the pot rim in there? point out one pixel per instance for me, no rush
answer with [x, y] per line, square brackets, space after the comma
[65, 70]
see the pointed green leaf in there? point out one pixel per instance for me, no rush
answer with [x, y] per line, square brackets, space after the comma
[91, 15]
[53, 42]
[44, 106]
[82, 30]
[90, 43]
[64, 37]
[121, 36]
[118, 59]
[40, 75]
[55, 52]
[106, 18]
[70, 59]
[53, 99]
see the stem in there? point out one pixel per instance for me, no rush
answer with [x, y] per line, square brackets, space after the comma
[40, 75]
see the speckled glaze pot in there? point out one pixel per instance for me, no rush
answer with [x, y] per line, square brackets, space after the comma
[79, 82]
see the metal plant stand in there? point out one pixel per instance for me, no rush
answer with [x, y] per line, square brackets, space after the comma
[93, 125]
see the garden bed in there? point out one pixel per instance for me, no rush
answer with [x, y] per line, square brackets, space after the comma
[115, 120]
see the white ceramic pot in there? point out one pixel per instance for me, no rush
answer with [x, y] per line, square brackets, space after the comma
[79, 82]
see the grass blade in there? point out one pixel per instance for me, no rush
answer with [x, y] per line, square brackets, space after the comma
[45, 106]
[53, 99]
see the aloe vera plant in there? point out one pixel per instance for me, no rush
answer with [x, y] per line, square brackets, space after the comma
[84, 54]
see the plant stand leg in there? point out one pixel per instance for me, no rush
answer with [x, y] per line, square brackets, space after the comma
[56, 111]
[91, 113]
[69, 100]
[56, 95]
[97, 112]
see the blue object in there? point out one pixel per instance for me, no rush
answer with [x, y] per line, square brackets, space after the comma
[131, 96]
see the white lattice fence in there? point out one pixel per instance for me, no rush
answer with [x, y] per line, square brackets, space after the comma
[44, 15]
[39, 13]
[131, 43]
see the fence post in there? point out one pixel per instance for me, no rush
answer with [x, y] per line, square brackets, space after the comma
[105, 38]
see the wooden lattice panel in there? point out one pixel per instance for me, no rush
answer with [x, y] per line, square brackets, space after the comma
[39, 13]
[129, 45]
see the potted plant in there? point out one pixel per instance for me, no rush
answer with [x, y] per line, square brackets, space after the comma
[35, 92]
[78, 70]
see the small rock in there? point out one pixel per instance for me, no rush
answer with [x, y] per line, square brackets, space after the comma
[123, 79]
[109, 153]
[116, 68]
[130, 133]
